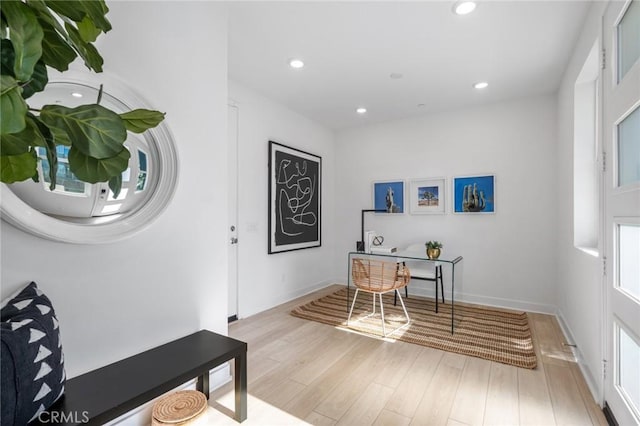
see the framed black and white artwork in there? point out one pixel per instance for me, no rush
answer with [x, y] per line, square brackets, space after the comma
[295, 179]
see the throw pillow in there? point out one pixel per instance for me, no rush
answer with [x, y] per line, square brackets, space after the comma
[31, 359]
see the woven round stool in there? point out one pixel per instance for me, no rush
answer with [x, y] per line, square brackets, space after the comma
[187, 407]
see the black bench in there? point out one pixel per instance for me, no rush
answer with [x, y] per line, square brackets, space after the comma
[102, 395]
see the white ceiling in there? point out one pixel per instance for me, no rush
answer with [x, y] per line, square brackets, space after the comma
[351, 48]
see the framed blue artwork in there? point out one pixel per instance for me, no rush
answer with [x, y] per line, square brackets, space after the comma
[389, 196]
[474, 194]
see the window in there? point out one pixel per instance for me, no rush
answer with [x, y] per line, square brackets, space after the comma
[628, 33]
[628, 374]
[142, 171]
[628, 146]
[66, 181]
[586, 192]
[628, 255]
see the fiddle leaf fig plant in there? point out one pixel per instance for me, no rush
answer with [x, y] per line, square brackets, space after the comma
[35, 35]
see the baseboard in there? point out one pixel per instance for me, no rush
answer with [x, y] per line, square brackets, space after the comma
[287, 297]
[592, 384]
[519, 305]
[498, 302]
[141, 416]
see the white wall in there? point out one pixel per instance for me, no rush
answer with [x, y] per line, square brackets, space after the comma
[580, 297]
[118, 299]
[268, 280]
[508, 256]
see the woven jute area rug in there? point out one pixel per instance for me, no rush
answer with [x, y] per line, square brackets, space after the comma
[494, 334]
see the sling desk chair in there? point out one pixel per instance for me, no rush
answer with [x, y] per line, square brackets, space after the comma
[378, 277]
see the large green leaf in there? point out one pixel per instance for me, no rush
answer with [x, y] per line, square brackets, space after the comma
[6, 57]
[56, 52]
[36, 126]
[88, 31]
[87, 51]
[19, 143]
[115, 185]
[93, 170]
[50, 146]
[44, 14]
[16, 168]
[70, 8]
[60, 136]
[139, 120]
[26, 37]
[93, 129]
[14, 144]
[13, 108]
[96, 11]
[3, 27]
[39, 80]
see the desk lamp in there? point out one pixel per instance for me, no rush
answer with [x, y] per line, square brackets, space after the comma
[360, 244]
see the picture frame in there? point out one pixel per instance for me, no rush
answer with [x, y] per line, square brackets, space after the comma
[295, 196]
[389, 195]
[474, 194]
[427, 196]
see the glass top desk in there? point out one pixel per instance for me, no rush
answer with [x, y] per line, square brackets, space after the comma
[400, 256]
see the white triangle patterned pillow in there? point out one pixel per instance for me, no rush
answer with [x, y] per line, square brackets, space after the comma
[31, 360]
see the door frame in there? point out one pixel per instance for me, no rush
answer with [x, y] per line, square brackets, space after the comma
[233, 296]
[618, 208]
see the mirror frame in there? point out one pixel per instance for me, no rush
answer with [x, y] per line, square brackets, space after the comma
[18, 213]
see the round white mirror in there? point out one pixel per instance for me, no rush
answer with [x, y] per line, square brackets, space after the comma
[78, 212]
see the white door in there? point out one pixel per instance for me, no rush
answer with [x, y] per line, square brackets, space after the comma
[621, 143]
[232, 133]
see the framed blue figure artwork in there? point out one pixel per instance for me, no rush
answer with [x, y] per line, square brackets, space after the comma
[389, 196]
[474, 194]
[295, 179]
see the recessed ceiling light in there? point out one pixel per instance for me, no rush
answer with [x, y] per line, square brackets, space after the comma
[76, 95]
[396, 75]
[463, 7]
[481, 85]
[361, 110]
[296, 63]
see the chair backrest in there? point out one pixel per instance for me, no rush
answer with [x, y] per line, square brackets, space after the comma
[419, 247]
[378, 275]
[426, 270]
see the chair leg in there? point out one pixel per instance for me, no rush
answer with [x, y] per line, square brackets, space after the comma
[352, 304]
[406, 314]
[374, 302]
[384, 331]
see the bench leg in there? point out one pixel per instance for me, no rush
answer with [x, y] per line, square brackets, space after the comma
[241, 387]
[202, 384]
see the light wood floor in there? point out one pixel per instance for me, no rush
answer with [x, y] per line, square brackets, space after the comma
[303, 372]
